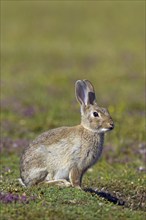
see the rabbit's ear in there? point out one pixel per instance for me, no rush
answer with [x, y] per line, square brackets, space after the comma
[91, 92]
[81, 92]
[89, 85]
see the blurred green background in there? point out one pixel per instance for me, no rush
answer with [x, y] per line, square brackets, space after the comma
[45, 47]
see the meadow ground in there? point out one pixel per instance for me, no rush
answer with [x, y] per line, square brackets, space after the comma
[45, 47]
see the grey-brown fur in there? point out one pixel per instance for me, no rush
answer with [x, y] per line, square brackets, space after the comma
[62, 155]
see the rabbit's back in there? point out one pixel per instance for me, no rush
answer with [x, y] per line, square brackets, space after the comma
[55, 152]
[47, 153]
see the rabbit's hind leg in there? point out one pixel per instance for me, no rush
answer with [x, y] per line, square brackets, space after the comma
[33, 176]
[60, 182]
[75, 177]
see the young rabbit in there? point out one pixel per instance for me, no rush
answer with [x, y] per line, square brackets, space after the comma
[62, 155]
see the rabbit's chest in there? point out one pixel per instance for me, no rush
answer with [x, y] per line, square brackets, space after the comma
[92, 151]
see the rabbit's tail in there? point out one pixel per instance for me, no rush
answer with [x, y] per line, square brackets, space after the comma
[21, 182]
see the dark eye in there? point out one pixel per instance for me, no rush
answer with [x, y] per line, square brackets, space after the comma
[95, 114]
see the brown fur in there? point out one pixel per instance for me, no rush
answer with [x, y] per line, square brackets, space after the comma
[63, 155]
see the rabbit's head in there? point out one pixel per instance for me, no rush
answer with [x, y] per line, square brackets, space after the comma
[93, 117]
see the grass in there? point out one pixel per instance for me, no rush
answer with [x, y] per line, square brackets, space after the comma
[46, 46]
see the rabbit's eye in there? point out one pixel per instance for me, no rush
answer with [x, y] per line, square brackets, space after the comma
[95, 114]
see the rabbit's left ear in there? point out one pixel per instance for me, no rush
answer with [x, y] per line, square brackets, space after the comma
[85, 92]
[90, 91]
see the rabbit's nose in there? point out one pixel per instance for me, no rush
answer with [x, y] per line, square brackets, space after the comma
[111, 124]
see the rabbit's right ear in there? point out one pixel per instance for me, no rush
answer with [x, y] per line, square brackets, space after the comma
[81, 92]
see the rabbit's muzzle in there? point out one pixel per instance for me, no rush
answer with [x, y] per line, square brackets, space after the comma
[106, 125]
[111, 125]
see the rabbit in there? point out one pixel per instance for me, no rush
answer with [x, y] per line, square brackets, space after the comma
[62, 155]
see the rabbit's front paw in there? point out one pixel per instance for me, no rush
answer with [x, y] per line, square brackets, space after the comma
[78, 187]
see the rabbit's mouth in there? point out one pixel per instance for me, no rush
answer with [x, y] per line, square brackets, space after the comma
[106, 127]
[103, 130]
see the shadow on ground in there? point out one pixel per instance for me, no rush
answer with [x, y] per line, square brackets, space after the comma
[106, 196]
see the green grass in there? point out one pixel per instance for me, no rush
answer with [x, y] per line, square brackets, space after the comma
[45, 47]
